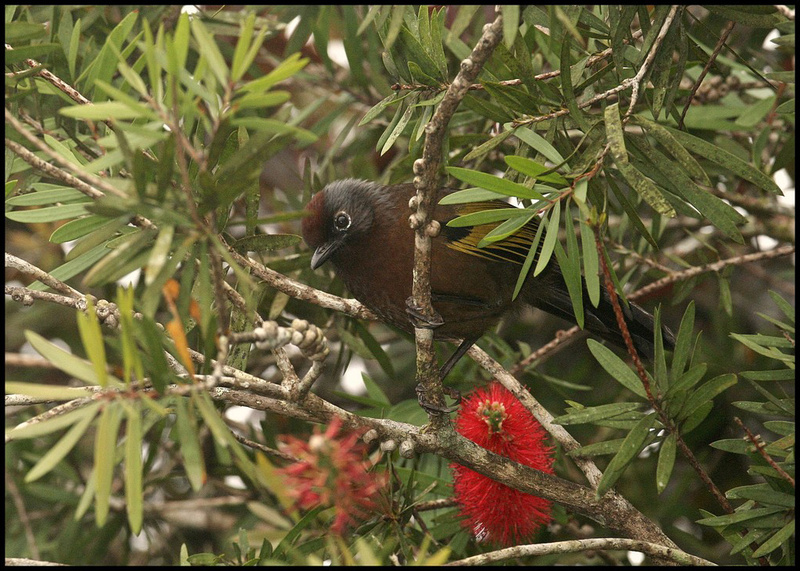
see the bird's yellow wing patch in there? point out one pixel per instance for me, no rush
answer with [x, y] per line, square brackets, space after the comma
[465, 239]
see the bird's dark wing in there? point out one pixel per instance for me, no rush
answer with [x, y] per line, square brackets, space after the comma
[465, 239]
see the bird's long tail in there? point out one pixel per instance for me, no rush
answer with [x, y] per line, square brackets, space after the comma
[599, 320]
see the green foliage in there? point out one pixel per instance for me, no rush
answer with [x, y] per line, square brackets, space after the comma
[168, 145]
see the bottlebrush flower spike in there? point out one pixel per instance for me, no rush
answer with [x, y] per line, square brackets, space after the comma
[492, 418]
[330, 471]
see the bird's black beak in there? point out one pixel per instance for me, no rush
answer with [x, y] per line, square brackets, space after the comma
[324, 252]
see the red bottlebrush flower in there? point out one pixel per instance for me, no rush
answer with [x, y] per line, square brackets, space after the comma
[492, 418]
[330, 471]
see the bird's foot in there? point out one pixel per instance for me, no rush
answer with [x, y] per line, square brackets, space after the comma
[432, 408]
[454, 394]
[421, 319]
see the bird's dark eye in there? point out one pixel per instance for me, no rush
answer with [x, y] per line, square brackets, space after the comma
[342, 221]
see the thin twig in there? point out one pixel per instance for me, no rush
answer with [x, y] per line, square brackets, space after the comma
[639, 78]
[724, 36]
[426, 182]
[582, 546]
[30, 270]
[759, 445]
[654, 400]
[713, 267]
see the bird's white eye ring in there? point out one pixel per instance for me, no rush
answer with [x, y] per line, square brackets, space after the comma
[342, 221]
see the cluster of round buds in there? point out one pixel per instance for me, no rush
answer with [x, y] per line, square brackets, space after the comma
[713, 88]
[107, 313]
[307, 337]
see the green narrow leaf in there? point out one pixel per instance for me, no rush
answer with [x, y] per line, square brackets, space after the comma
[57, 453]
[63, 151]
[617, 410]
[375, 349]
[484, 148]
[597, 449]
[725, 294]
[126, 254]
[738, 517]
[550, 238]
[725, 159]
[640, 183]
[212, 419]
[540, 145]
[43, 197]
[659, 358]
[374, 391]
[591, 264]
[616, 367]
[666, 461]
[289, 67]
[131, 360]
[67, 362]
[92, 339]
[630, 448]
[647, 189]
[698, 416]
[718, 212]
[489, 216]
[531, 168]
[567, 87]
[390, 129]
[493, 183]
[51, 424]
[436, 46]
[209, 51]
[72, 51]
[750, 18]
[91, 224]
[763, 494]
[689, 379]
[239, 63]
[48, 214]
[104, 65]
[683, 343]
[532, 253]
[159, 254]
[684, 158]
[633, 215]
[509, 227]
[783, 305]
[569, 262]
[777, 539]
[706, 393]
[191, 452]
[510, 24]
[378, 108]
[133, 467]
[105, 447]
[397, 129]
[104, 111]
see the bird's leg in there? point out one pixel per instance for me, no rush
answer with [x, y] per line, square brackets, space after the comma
[456, 356]
[443, 371]
[418, 317]
[450, 363]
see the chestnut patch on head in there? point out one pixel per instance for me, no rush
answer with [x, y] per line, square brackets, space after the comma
[313, 225]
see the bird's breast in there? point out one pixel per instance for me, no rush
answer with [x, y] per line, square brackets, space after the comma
[469, 293]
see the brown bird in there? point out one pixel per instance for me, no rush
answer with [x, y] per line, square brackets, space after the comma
[362, 228]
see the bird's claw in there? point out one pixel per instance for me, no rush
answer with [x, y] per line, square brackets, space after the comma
[419, 318]
[431, 408]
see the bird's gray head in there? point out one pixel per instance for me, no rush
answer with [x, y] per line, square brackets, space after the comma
[340, 212]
